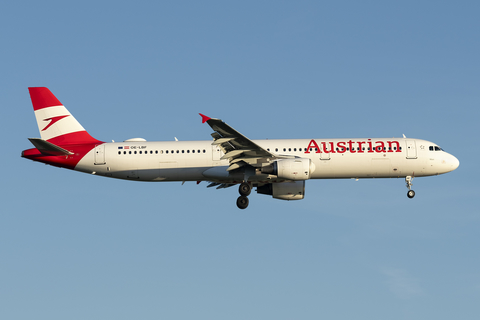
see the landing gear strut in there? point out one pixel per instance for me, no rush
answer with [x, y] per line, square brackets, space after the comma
[408, 181]
[245, 189]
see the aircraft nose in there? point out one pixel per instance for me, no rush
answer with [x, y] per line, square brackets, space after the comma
[453, 162]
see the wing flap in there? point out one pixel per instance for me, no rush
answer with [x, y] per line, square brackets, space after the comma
[221, 140]
[236, 165]
[234, 144]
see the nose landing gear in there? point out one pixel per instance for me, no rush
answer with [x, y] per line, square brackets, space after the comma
[408, 181]
[245, 189]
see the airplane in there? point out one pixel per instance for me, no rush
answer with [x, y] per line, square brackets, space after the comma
[278, 168]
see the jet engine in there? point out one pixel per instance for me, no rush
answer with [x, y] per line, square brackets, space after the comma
[290, 169]
[293, 190]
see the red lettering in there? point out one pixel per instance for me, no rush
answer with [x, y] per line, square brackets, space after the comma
[353, 146]
[380, 146]
[325, 147]
[370, 148]
[350, 142]
[390, 143]
[360, 150]
[313, 144]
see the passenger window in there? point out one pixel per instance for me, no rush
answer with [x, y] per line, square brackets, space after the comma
[119, 152]
[140, 152]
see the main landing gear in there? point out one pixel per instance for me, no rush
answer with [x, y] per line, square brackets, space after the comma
[410, 193]
[245, 189]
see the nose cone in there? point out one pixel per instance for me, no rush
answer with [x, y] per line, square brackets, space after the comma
[452, 162]
[455, 163]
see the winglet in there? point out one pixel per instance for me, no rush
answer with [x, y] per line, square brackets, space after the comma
[204, 118]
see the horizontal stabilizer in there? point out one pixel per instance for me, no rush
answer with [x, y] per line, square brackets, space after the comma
[48, 148]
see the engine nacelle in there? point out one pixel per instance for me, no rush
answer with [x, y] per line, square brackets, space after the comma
[294, 190]
[290, 169]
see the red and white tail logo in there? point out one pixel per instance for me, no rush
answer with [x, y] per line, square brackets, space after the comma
[55, 123]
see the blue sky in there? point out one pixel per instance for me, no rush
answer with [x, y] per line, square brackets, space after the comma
[75, 246]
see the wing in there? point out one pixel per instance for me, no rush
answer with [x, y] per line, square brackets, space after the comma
[238, 149]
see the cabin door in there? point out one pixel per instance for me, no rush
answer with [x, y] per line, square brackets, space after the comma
[411, 149]
[216, 153]
[100, 154]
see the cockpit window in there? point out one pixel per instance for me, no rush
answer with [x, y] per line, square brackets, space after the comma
[435, 148]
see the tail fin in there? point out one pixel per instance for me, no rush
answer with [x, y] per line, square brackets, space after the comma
[55, 123]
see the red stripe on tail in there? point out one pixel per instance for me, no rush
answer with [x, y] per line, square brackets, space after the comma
[43, 98]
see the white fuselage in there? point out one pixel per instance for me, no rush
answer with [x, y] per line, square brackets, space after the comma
[277, 168]
[334, 158]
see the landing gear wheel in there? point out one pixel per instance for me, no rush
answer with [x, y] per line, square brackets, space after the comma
[242, 202]
[410, 193]
[245, 189]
